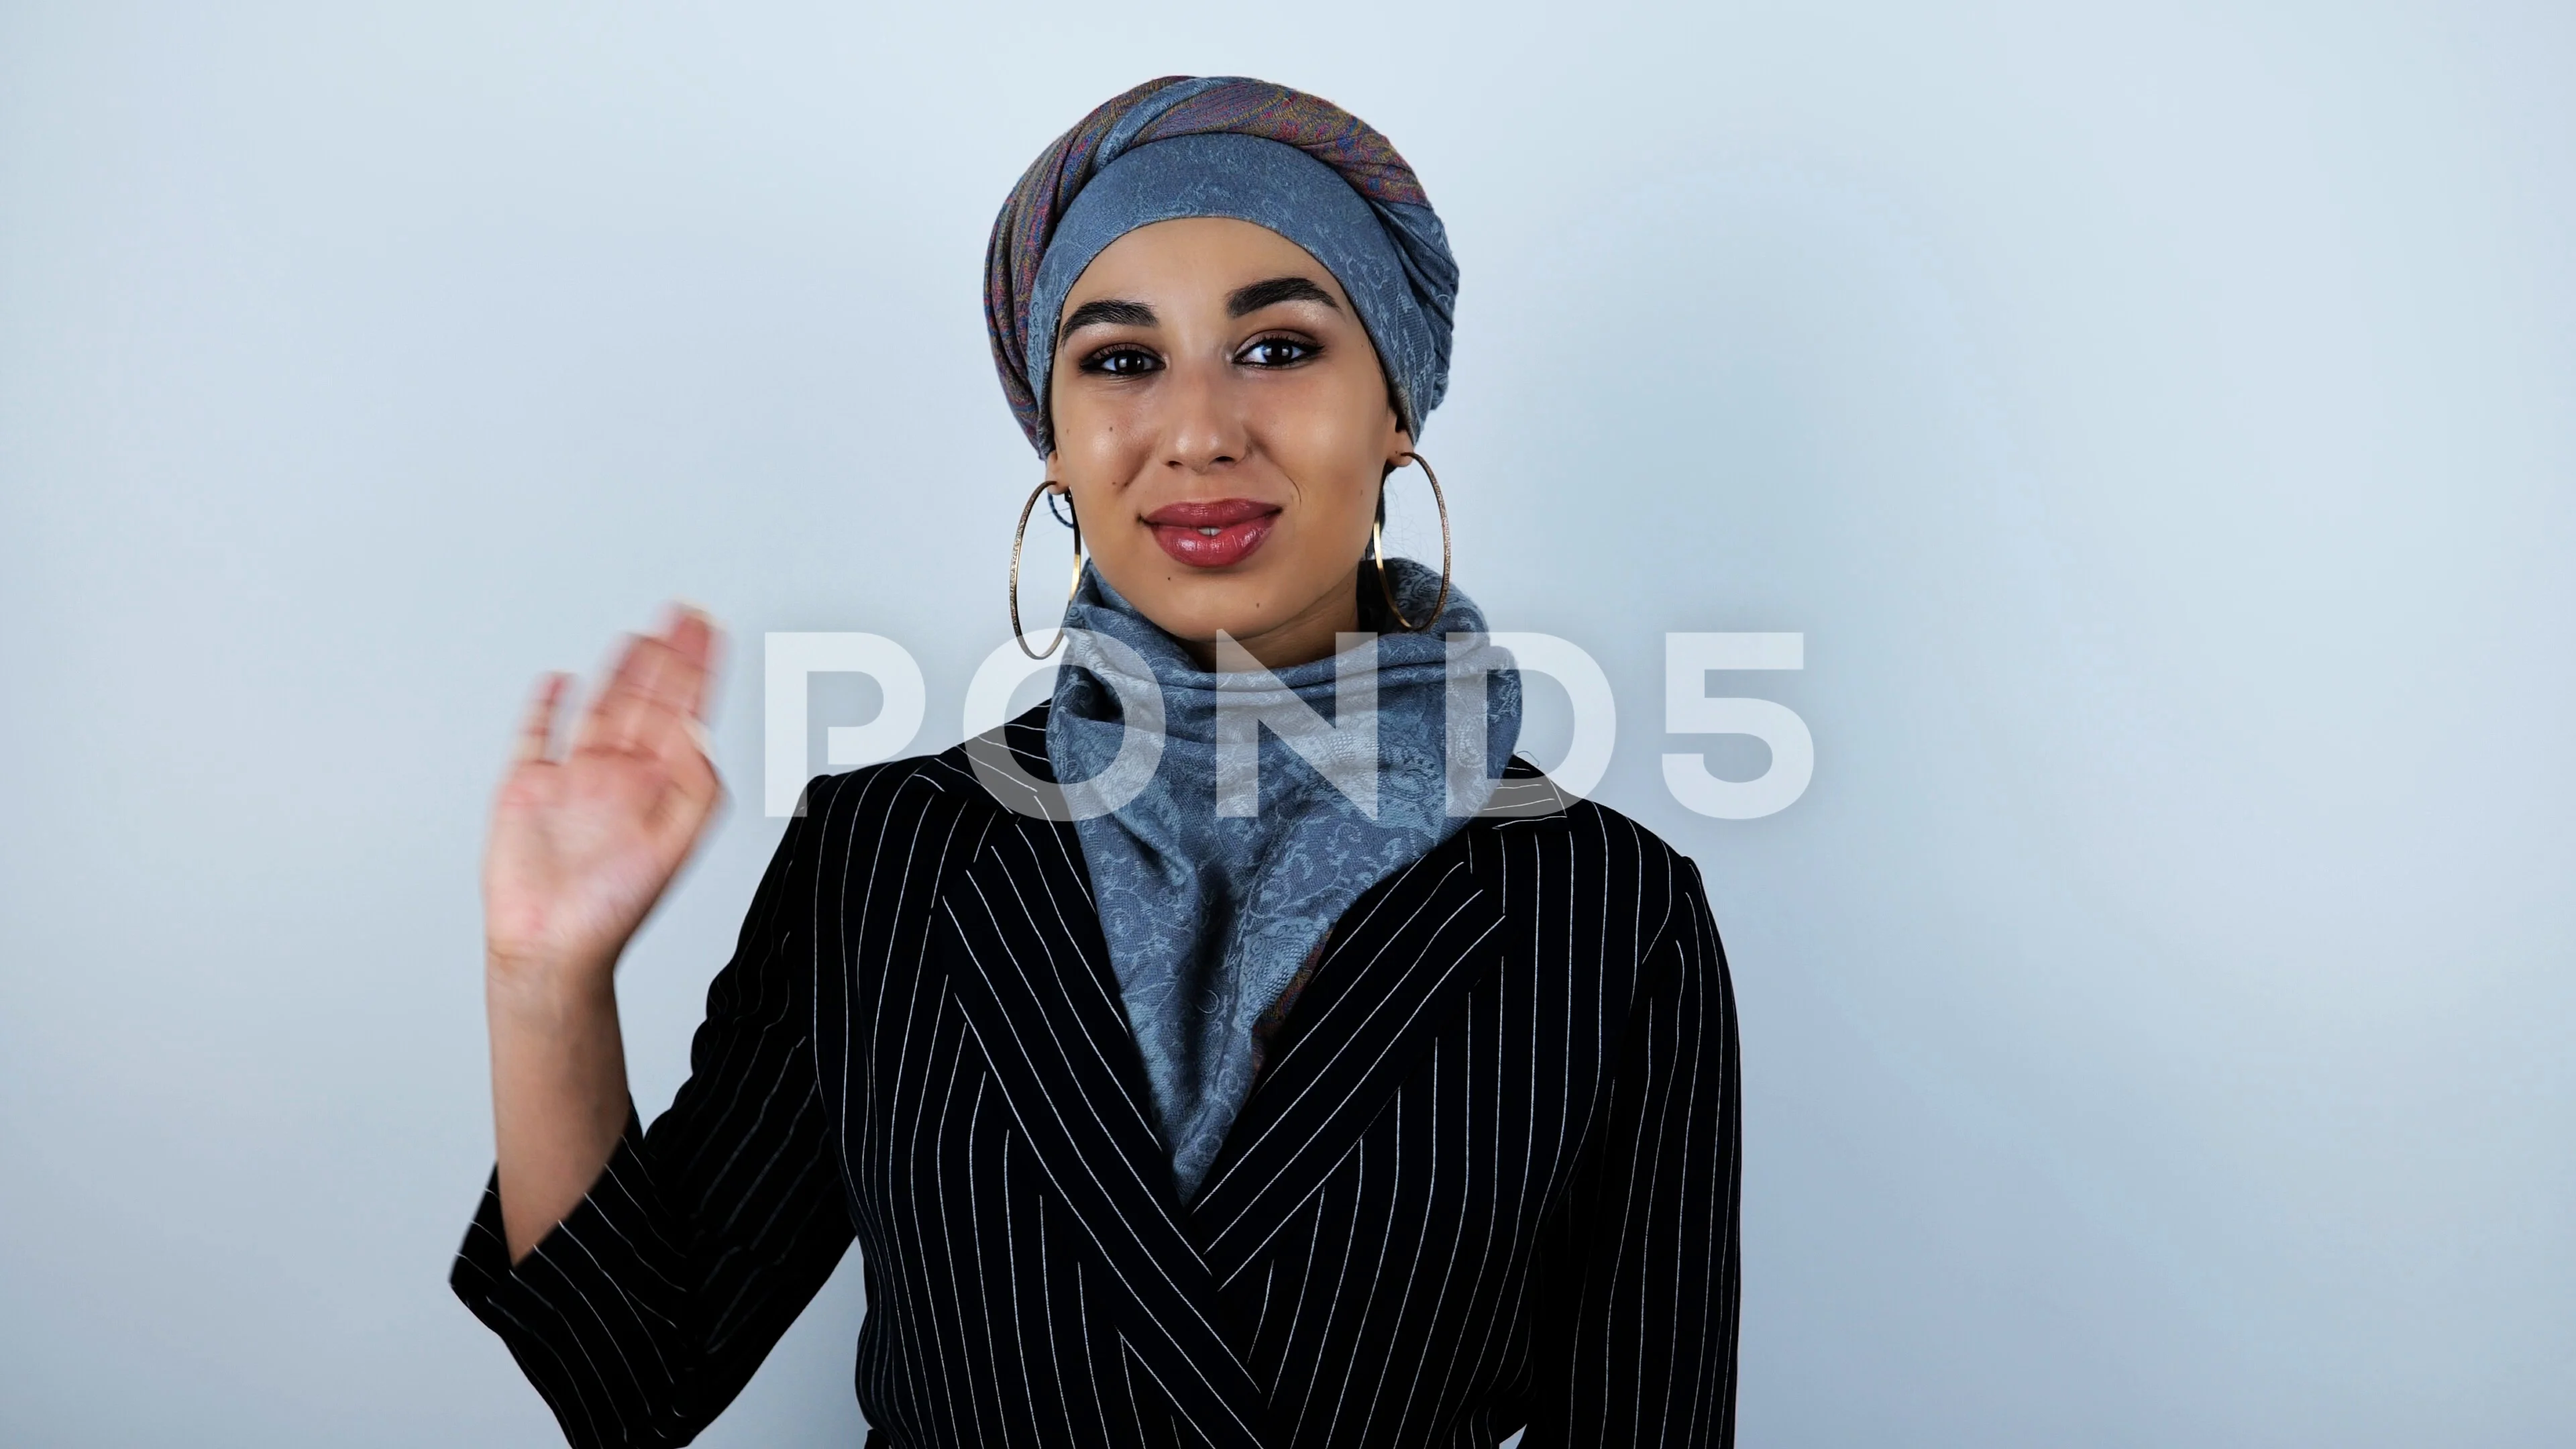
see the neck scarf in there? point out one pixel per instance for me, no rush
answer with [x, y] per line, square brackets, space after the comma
[1209, 912]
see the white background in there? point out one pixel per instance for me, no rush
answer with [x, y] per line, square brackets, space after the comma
[2157, 418]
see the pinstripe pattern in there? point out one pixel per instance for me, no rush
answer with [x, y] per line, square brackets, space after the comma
[1488, 1179]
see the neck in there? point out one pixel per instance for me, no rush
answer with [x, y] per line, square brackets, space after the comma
[1301, 638]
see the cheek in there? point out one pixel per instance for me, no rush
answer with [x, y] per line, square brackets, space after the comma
[1332, 443]
[1096, 443]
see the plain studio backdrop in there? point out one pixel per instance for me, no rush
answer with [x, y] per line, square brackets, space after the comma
[2157, 419]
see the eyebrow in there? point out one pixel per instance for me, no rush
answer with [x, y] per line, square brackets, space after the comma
[1109, 312]
[1251, 299]
[1242, 302]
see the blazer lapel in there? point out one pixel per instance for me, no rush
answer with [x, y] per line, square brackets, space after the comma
[1393, 969]
[1396, 969]
[1033, 976]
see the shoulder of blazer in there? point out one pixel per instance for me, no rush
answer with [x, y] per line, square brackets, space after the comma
[896, 789]
[1597, 841]
[886, 792]
[890, 825]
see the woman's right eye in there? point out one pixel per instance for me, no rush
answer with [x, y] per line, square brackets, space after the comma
[1121, 362]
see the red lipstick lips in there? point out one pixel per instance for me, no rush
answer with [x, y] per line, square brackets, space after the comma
[1210, 533]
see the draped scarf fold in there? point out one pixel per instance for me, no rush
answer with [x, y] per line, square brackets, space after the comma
[1209, 916]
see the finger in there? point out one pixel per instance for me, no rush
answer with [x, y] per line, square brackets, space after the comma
[689, 629]
[670, 722]
[645, 714]
[616, 694]
[696, 642]
[673, 682]
[634, 694]
[537, 730]
[660, 676]
[666, 732]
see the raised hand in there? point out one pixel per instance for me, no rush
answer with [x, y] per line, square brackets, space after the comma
[584, 843]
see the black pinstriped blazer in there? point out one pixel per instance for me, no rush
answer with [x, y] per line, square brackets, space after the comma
[1488, 1178]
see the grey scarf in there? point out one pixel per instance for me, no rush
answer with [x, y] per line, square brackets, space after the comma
[1212, 902]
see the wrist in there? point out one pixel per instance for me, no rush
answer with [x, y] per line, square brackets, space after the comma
[547, 984]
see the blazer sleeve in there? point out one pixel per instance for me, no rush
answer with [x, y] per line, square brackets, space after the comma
[1646, 1294]
[648, 1308]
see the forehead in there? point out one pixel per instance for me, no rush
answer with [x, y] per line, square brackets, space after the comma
[1203, 258]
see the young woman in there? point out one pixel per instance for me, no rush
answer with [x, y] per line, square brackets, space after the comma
[1302, 1070]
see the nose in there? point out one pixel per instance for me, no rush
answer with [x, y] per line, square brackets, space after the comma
[1206, 429]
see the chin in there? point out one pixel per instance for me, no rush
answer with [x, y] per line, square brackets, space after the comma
[1199, 609]
[1196, 606]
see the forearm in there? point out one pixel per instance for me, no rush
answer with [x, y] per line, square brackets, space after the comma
[559, 1097]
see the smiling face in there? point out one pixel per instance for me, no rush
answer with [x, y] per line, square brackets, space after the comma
[1223, 425]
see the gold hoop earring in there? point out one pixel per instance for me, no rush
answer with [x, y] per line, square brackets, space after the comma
[1019, 535]
[1377, 538]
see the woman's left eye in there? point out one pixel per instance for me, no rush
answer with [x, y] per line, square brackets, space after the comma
[1275, 352]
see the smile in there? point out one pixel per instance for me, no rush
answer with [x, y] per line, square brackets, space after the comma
[1212, 533]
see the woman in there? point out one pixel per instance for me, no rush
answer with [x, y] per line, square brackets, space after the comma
[1285, 1076]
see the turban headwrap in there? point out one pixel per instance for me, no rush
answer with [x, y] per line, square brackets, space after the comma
[1223, 146]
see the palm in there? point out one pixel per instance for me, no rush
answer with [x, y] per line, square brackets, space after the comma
[584, 843]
